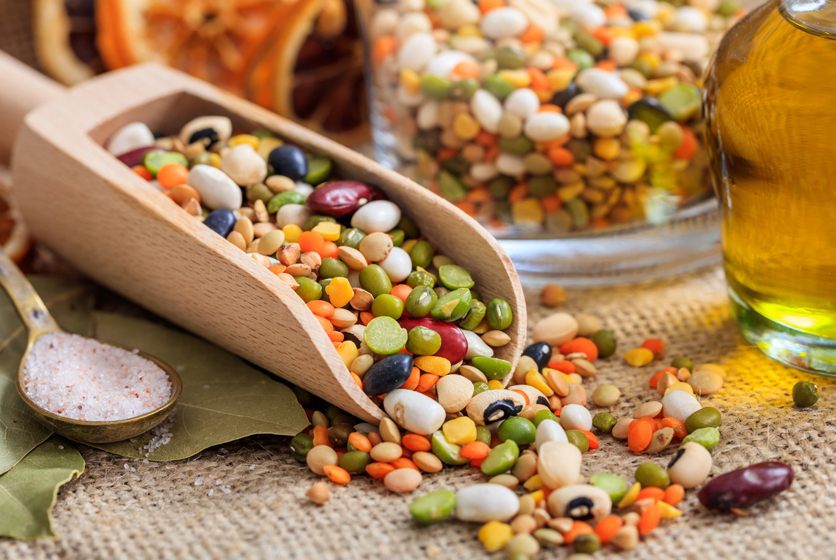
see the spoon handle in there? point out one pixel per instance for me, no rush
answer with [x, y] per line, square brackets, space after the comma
[29, 304]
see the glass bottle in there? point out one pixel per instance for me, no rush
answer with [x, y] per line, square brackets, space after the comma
[770, 120]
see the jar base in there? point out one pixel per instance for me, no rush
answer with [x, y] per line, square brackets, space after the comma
[792, 347]
[689, 240]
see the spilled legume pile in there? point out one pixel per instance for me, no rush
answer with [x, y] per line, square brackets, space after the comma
[547, 117]
[529, 440]
[402, 317]
[84, 379]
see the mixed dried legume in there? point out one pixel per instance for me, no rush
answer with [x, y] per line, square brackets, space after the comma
[546, 117]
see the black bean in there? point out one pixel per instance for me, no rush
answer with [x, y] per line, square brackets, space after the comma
[220, 221]
[500, 410]
[387, 374]
[747, 486]
[540, 352]
[289, 161]
[561, 98]
[209, 136]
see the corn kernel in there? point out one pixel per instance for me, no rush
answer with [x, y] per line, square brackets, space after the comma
[267, 145]
[328, 230]
[460, 431]
[244, 139]
[410, 81]
[651, 59]
[667, 511]
[538, 496]
[495, 384]
[348, 352]
[638, 357]
[527, 212]
[534, 379]
[433, 364]
[680, 386]
[409, 244]
[606, 148]
[495, 535]
[469, 30]
[465, 126]
[533, 483]
[292, 233]
[661, 85]
[560, 78]
[517, 78]
[630, 496]
[340, 292]
[644, 29]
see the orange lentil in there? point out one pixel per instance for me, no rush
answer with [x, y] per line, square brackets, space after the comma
[379, 470]
[277, 269]
[561, 157]
[491, 154]
[337, 474]
[674, 494]
[485, 138]
[654, 345]
[326, 324]
[524, 396]
[679, 429]
[336, 336]
[608, 527]
[606, 65]
[366, 317]
[561, 62]
[479, 194]
[649, 520]
[404, 463]
[556, 143]
[688, 148]
[534, 34]
[467, 207]
[616, 11]
[564, 365]
[401, 291]
[518, 193]
[651, 492]
[538, 79]
[475, 450]
[605, 35]
[580, 344]
[360, 442]
[486, 6]
[599, 223]
[310, 241]
[383, 48]
[549, 108]
[466, 69]
[446, 153]
[551, 203]
[639, 435]
[654, 381]
[414, 442]
[476, 462]
[374, 438]
[329, 250]
[320, 436]
[578, 528]
[593, 440]
[412, 382]
[142, 171]
[321, 308]
[172, 174]
[426, 382]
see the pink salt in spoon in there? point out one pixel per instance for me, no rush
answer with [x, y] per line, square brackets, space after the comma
[39, 322]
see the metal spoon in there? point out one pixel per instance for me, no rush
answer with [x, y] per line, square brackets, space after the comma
[39, 322]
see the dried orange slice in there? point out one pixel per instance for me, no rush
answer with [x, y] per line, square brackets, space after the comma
[14, 237]
[65, 39]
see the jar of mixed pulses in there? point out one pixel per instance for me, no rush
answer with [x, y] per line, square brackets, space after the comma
[546, 118]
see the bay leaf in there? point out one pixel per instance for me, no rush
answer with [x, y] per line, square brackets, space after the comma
[71, 303]
[28, 491]
[223, 398]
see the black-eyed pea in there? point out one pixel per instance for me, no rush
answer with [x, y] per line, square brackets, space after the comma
[690, 465]
[581, 502]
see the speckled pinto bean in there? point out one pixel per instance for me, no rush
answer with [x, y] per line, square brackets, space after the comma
[747, 486]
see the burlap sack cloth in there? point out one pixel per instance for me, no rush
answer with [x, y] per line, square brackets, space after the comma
[134, 509]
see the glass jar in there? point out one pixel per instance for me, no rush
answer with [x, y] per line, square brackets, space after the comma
[770, 120]
[570, 129]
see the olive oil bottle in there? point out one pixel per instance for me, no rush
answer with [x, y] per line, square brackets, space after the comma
[770, 122]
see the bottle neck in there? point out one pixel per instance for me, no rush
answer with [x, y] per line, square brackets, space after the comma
[814, 16]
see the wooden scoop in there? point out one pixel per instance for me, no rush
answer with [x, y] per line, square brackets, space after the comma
[119, 230]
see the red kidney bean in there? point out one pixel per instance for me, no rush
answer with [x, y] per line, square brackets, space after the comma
[342, 198]
[453, 342]
[744, 487]
[134, 157]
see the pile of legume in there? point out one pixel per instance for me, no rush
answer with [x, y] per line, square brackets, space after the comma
[546, 117]
[532, 437]
[402, 317]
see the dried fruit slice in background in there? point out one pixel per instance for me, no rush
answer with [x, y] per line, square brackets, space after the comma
[65, 39]
[14, 237]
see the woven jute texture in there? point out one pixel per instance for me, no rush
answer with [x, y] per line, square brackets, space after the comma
[133, 509]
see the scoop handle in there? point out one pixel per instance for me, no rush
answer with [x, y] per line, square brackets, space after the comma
[28, 303]
[23, 89]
